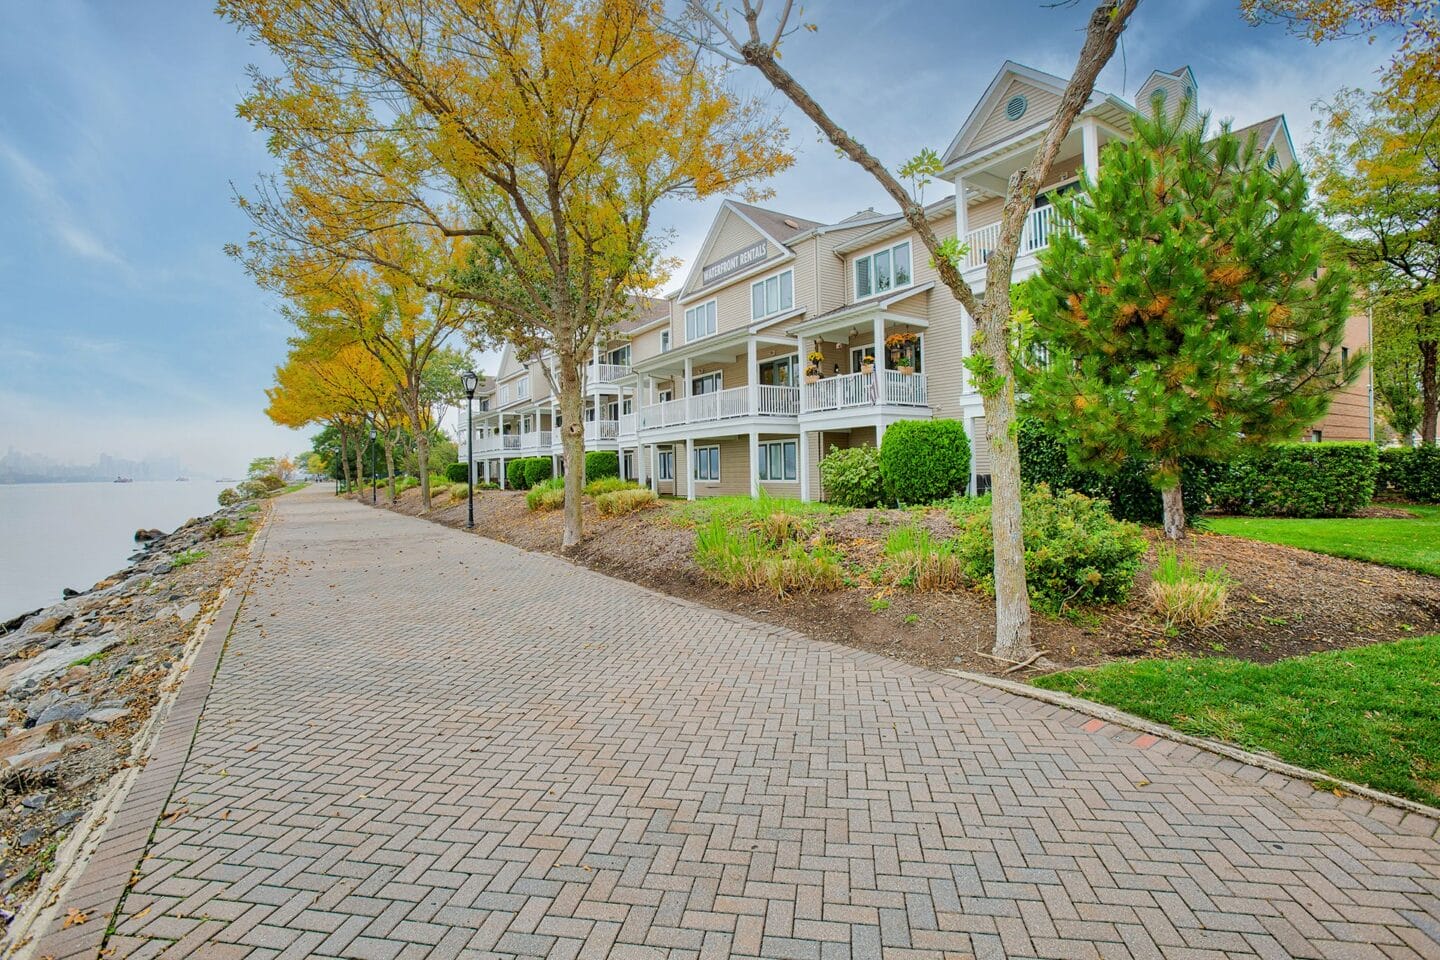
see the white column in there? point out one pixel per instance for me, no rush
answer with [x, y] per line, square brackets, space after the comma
[754, 450]
[654, 470]
[879, 431]
[879, 332]
[641, 466]
[1090, 147]
[802, 463]
[962, 210]
[689, 463]
[752, 376]
[800, 355]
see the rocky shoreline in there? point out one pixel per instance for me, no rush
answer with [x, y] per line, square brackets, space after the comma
[79, 678]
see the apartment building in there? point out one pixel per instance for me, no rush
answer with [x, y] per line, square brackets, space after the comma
[790, 336]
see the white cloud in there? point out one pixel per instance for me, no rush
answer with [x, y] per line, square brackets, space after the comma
[52, 208]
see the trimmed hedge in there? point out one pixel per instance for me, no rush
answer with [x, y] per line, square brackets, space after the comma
[1328, 479]
[600, 464]
[1411, 473]
[851, 476]
[924, 461]
[538, 470]
[1131, 495]
[457, 473]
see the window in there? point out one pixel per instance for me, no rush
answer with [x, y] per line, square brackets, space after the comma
[777, 460]
[666, 396]
[665, 470]
[772, 295]
[620, 356]
[1316, 436]
[1344, 360]
[526, 424]
[627, 465]
[707, 463]
[858, 355]
[664, 341]
[882, 270]
[709, 383]
[779, 372]
[627, 406]
[700, 321]
[914, 352]
[522, 389]
[505, 393]
[1043, 198]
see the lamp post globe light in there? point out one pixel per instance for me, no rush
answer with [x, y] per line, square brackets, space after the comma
[470, 381]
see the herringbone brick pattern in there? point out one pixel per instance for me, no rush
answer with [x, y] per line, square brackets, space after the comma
[420, 744]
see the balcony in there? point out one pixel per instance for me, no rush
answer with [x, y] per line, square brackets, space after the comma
[605, 373]
[598, 431]
[881, 388]
[628, 423]
[1040, 225]
[735, 403]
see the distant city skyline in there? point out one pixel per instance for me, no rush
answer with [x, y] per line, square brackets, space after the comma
[125, 327]
[18, 466]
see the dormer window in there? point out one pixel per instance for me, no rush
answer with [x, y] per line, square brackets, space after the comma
[882, 270]
[772, 295]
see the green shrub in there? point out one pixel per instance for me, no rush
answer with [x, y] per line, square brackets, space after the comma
[595, 488]
[922, 561]
[219, 527]
[457, 473]
[745, 560]
[601, 464]
[547, 495]
[487, 485]
[229, 497]
[1411, 473]
[538, 470]
[617, 503]
[1128, 490]
[851, 477]
[924, 461]
[458, 491]
[1299, 480]
[515, 474]
[1076, 553]
[251, 489]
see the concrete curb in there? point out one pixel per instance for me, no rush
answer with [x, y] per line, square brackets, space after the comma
[119, 829]
[1262, 761]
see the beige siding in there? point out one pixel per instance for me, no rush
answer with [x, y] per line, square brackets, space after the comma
[998, 127]
[1349, 414]
[733, 234]
[979, 447]
[646, 345]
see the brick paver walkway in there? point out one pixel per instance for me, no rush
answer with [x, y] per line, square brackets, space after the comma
[421, 744]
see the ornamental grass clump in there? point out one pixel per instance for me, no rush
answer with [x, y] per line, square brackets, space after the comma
[1185, 596]
[779, 527]
[459, 491]
[617, 503]
[743, 559]
[608, 485]
[923, 561]
[547, 495]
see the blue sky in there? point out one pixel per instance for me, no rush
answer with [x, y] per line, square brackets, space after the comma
[125, 329]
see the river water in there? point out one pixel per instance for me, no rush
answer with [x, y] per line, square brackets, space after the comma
[56, 535]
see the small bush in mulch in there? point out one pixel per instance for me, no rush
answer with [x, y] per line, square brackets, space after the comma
[1076, 553]
[547, 495]
[744, 559]
[595, 488]
[457, 473]
[924, 461]
[924, 561]
[515, 474]
[1332, 479]
[538, 470]
[1184, 595]
[600, 464]
[851, 476]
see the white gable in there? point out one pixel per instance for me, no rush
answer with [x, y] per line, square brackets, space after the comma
[734, 244]
[1017, 99]
[1176, 91]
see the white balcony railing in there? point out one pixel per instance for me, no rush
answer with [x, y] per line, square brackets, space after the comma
[765, 401]
[865, 390]
[535, 440]
[511, 441]
[627, 424]
[602, 430]
[605, 372]
[1040, 225]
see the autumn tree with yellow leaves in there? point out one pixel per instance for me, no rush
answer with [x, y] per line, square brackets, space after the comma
[524, 143]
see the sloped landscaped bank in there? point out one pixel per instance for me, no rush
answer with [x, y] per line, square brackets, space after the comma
[1282, 601]
[79, 679]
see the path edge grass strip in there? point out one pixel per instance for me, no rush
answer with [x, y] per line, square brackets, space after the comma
[1265, 762]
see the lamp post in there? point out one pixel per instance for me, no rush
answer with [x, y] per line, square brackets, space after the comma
[374, 476]
[469, 380]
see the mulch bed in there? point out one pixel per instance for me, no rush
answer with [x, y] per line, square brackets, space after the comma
[1284, 601]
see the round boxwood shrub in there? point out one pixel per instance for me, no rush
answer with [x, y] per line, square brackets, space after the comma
[1076, 553]
[924, 461]
[600, 464]
[851, 477]
[515, 474]
[538, 470]
[457, 473]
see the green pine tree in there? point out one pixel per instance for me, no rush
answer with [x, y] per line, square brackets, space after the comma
[1180, 310]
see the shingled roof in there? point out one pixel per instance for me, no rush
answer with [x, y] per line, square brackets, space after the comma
[781, 226]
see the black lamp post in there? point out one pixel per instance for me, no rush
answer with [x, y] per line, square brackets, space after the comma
[470, 381]
[374, 474]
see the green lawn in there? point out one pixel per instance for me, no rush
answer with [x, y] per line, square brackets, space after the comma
[1411, 544]
[1370, 714]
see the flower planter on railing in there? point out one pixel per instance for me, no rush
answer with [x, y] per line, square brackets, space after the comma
[865, 390]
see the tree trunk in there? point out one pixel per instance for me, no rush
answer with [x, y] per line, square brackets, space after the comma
[1172, 499]
[422, 454]
[389, 446]
[572, 411]
[344, 457]
[1429, 390]
[1012, 600]
[360, 450]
